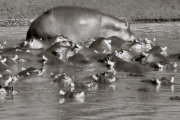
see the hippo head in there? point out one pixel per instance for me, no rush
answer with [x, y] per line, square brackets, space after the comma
[105, 77]
[148, 41]
[65, 79]
[110, 63]
[55, 75]
[44, 60]
[58, 38]
[117, 27]
[125, 32]
[3, 93]
[6, 80]
[140, 47]
[75, 48]
[109, 60]
[2, 45]
[60, 52]
[125, 55]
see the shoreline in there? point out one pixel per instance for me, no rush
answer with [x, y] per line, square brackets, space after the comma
[136, 21]
[27, 22]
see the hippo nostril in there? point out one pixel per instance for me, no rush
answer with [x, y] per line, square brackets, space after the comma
[108, 66]
[135, 40]
[43, 60]
[178, 57]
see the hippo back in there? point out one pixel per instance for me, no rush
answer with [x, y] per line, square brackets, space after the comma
[72, 22]
[78, 25]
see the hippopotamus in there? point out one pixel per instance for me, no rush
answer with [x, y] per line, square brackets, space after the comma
[3, 66]
[85, 84]
[64, 80]
[117, 64]
[35, 43]
[154, 57]
[2, 45]
[104, 78]
[75, 95]
[125, 55]
[101, 45]
[20, 55]
[117, 43]
[78, 25]
[51, 60]
[159, 50]
[161, 81]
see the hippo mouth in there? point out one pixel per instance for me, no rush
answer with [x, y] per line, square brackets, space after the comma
[108, 66]
[55, 53]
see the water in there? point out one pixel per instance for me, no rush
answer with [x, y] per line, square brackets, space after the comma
[38, 98]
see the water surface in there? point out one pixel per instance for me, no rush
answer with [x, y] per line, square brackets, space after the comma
[38, 98]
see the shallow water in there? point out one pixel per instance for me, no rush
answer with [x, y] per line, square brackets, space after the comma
[38, 98]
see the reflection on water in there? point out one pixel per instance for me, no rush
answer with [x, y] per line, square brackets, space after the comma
[128, 98]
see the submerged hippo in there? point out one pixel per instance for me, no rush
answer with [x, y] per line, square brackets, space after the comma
[78, 25]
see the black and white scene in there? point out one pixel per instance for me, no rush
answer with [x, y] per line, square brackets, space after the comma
[89, 59]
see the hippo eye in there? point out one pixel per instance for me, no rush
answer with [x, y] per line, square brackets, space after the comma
[104, 74]
[63, 42]
[76, 46]
[126, 24]
[148, 45]
[121, 51]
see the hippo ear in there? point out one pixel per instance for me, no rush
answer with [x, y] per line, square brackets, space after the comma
[104, 74]
[28, 73]
[44, 57]
[81, 94]
[164, 48]
[4, 42]
[174, 65]
[121, 52]
[127, 23]
[8, 71]
[29, 51]
[140, 39]
[145, 54]
[72, 84]
[15, 57]
[154, 39]
[158, 81]
[115, 53]
[43, 70]
[25, 43]
[31, 40]
[146, 40]
[18, 50]
[96, 51]
[95, 78]
[22, 69]
[4, 60]
[62, 93]
[160, 66]
[172, 79]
